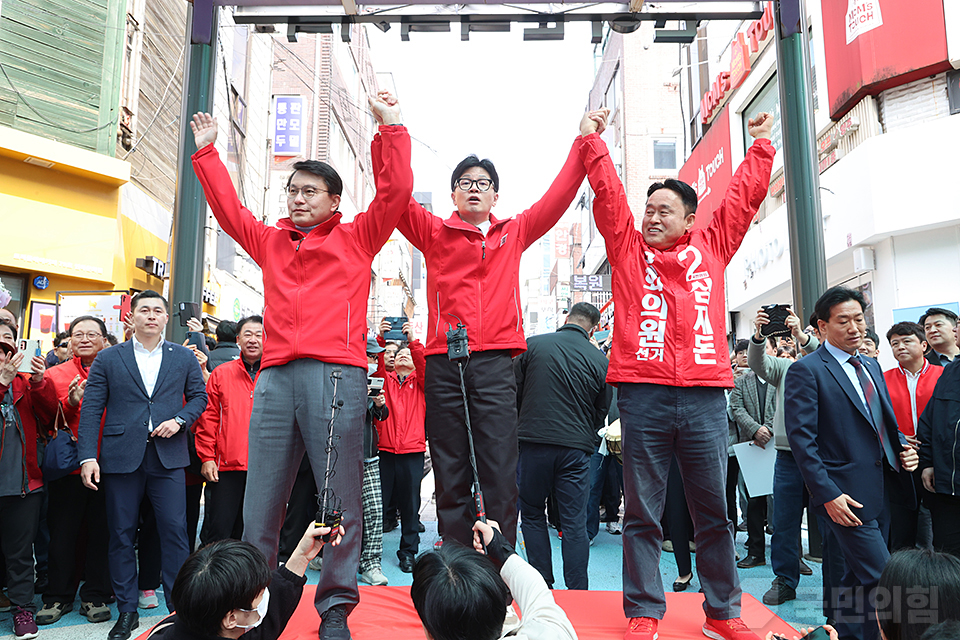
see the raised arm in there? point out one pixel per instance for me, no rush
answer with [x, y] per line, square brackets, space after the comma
[233, 217]
[393, 177]
[745, 193]
[416, 223]
[194, 393]
[610, 209]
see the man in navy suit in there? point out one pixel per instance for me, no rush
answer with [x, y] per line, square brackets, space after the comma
[151, 391]
[844, 436]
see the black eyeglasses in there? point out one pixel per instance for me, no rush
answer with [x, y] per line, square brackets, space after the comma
[483, 184]
[309, 193]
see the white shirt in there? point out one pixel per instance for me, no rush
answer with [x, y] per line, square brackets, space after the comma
[148, 362]
[912, 380]
[843, 358]
[484, 226]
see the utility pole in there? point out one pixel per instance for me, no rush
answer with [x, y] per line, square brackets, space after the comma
[801, 169]
[190, 205]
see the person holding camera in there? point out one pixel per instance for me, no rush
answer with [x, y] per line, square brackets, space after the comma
[402, 444]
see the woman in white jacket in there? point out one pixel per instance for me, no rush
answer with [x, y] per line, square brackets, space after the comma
[458, 594]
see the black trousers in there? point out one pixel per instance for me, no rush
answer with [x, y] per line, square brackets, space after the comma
[223, 508]
[678, 518]
[492, 400]
[19, 518]
[945, 512]
[756, 521]
[78, 543]
[733, 476]
[400, 476]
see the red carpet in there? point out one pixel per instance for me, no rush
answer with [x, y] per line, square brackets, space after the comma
[596, 615]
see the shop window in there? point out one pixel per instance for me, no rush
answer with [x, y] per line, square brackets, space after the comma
[768, 100]
[665, 155]
[14, 286]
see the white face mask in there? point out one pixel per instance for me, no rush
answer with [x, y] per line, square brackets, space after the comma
[261, 610]
[372, 369]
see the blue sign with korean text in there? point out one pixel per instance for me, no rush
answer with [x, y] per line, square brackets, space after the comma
[288, 128]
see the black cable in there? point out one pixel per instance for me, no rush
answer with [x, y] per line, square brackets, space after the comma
[330, 513]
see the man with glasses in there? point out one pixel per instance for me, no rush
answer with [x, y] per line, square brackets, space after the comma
[316, 277]
[78, 514]
[473, 262]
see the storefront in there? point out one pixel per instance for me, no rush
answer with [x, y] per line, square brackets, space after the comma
[72, 223]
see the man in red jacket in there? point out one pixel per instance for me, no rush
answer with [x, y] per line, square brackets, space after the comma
[222, 435]
[316, 278]
[402, 445]
[671, 365]
[473, 263]
[911, 385]
[78, 542]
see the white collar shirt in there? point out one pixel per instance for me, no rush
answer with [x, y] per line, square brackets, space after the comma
[912, 380]
[148, 362]
[843, 358]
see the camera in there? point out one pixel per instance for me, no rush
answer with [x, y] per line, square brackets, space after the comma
[778, 314]
[329, 518]
[374, 387]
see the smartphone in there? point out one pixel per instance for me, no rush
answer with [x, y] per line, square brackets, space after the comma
[374, 387]
[396, 326]
[188, 310]
[30, 349]
[778, 314]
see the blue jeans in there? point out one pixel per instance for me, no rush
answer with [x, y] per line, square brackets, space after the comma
[787, 517]
[659, 422]
[545, 467]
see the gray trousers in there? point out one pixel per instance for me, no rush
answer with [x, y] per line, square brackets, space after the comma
[291, 412]
[659, 422]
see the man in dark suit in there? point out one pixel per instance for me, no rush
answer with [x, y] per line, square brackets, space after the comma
[151, 392]
[844, 436]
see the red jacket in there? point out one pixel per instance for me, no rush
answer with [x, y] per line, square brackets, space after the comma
[900, 394]
[60, 378]
[315, 285]
[670, 309]
[30, 403]
[403, 430]
[475, 277]
[221, 430]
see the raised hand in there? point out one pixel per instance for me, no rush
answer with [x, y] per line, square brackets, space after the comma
[761, 126]
[204, 127]
[75, 391]
[385, 108]
[594, 121]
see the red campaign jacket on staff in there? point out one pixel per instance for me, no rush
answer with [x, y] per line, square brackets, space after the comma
[315, 284]
[221, 430]
[900, 394]
[31, 402]
[475, 276]
[60, 378]
[403, 430]
[669, 324]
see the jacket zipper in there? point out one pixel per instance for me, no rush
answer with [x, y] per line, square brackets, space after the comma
[436, 330]
[296, 343]
[516, 303]
[483, 273]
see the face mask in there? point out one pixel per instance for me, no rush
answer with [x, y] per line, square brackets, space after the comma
[261, 610]
[372, 369]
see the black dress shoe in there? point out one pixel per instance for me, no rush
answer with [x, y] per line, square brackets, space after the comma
[751, 561]
[389, 525]
[420, 527]
[406, 563]
[805, 569]
[679, 585]
[333, 625]
[778, 593]
[126, 623]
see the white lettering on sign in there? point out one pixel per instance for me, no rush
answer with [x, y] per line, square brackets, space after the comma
[706, 173]
[862, 16]
[53, 262]
[704, 351]
[653, 314]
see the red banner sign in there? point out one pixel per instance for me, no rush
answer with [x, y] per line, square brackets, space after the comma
[708, 169]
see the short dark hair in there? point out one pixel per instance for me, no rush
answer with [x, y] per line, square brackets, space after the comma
[470, 162]
[813, 320]
[112, 339]
[323, 171]
[586, 311]
[227, 331]
[248, 320]
[872, 335]
[458, 594]
[907, 329]
[946, 630]
[100, 323]
[217, 579]
[938, 311]
[787, 351]
[911, 571]
[742, 345]
[834, 296]
[147, 294]
[772, 340]
[59, 338]
[210, 343]
[687, 194]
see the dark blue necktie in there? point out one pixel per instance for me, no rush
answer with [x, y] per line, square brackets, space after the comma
[876, 410]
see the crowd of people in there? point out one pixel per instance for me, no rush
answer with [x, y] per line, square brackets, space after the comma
[306, 417]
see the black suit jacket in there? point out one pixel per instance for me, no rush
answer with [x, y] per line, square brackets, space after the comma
[116, 388]
[832, 438]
